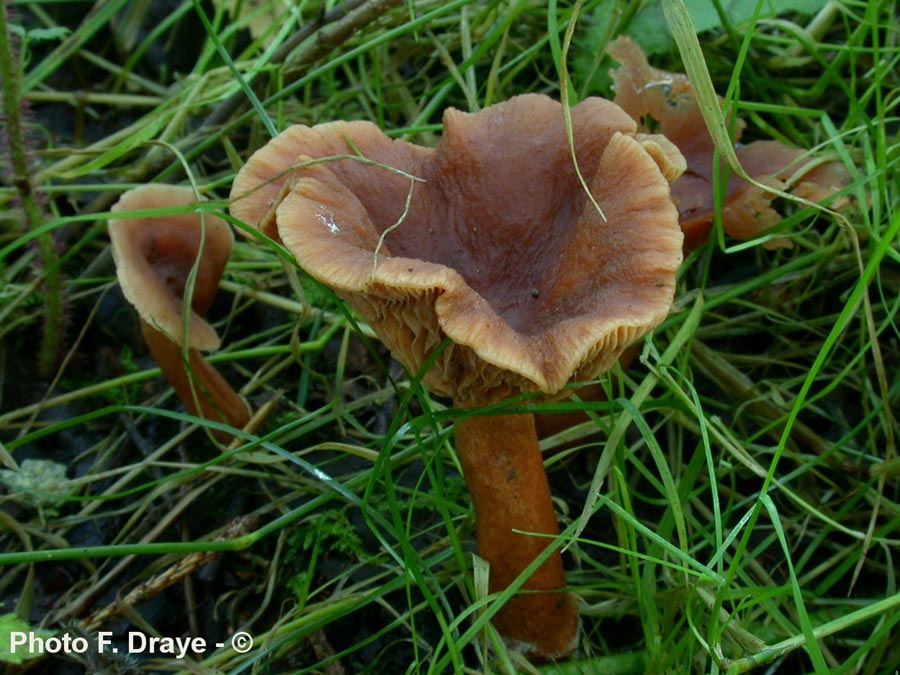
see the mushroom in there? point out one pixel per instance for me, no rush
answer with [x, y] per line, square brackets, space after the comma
[666, 102]
[501, 262]
[155, 256]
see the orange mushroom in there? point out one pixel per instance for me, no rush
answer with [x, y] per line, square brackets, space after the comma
[666, 102]
[500, 260]
[155, 256]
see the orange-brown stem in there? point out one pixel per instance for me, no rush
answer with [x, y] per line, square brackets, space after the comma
[217, 400]
[504, 471]
[549, 424]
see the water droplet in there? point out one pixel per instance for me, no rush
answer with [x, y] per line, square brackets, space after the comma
[327, 219]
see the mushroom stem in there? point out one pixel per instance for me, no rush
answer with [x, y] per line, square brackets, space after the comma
[197, 383]
[504, 471]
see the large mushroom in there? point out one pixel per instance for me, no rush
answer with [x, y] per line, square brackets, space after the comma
[665, 102]
[155, 256]
[501, 260]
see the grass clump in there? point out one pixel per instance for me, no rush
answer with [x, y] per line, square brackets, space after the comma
[731, 507]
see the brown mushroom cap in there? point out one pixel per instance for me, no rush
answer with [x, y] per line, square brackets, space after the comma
[668, 100]
[501, 250]
[154, 257]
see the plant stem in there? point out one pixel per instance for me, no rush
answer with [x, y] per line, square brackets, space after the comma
[10, 76]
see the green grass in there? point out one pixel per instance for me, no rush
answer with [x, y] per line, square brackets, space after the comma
[732, 507]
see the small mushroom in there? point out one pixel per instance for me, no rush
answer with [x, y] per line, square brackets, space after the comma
[500, 261]
[666, 102]
[155, 256]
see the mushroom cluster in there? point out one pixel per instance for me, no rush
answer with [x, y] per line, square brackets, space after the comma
[666, 101]
[159, 260]
[510, 258]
